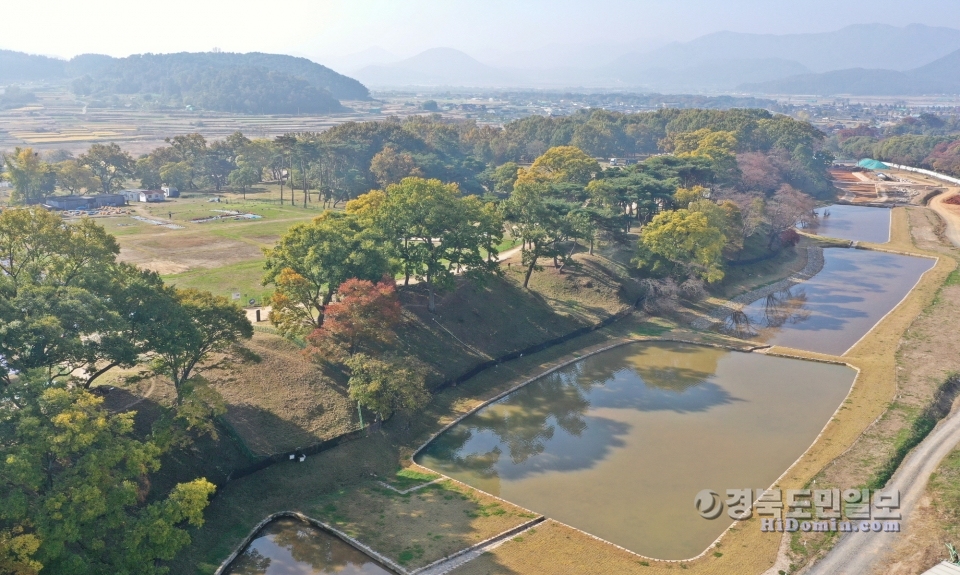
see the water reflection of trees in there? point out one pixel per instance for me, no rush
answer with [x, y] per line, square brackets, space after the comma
[524, 425]
[647, 378]
[251, 562]
[306, 546]
[787, 306]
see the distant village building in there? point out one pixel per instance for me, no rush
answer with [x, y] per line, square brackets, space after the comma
[151, 196]
[85, 202]
[170, 191]
[132, 195]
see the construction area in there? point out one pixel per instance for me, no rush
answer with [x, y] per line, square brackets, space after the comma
[886, 188]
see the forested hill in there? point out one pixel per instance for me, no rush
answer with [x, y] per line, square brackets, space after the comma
[249, 83]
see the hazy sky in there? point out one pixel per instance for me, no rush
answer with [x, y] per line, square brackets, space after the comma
[484, 28]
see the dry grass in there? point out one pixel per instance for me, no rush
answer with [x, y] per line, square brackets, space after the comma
[283, 401]
[934, 524]
[566, 550]
[418, 528]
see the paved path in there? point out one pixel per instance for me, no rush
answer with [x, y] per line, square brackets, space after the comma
[860, 553]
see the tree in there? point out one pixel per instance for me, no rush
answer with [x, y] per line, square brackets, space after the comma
[365, 314]
[686, 238]
[386, 385]
[109, 164]
[25, 171]
[312, 260]
[177, 174]
[437, 233]
[74, 481]
[784, 210]
[390, 166]
[751, 208]
[505, 176]
[73, 177]
[561, 164]
[537, 222]
[206, 323]
[257, 155]
[243, 177]
[54, 281]
[216, 169]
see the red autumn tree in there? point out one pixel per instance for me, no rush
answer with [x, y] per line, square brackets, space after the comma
[365, 314]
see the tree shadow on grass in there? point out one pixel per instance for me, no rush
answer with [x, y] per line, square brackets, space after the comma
[265, 433]
[207, 457]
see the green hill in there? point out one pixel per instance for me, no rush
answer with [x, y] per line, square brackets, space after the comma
[254, 83]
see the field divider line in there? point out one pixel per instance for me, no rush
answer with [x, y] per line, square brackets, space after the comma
[412, 489]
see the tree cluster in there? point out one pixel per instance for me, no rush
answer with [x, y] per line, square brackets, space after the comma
[75, 481]
[927, 141]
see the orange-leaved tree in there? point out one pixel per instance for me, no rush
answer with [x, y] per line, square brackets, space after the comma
[357, 335]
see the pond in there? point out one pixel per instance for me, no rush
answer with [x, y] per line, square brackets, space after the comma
[292, 547]
[832, 310]
[620, 443]
[854, 223]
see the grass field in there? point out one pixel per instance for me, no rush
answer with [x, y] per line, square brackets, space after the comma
[222, 256]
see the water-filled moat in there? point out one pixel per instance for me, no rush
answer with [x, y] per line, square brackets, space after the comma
[619, 443]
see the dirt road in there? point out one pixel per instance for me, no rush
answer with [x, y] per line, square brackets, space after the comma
[950, 214]
[859, 553]
[865, 552]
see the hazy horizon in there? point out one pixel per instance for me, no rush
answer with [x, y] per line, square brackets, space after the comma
[333, 31]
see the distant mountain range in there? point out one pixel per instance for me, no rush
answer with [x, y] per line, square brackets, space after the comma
[865, 59]
[724, 61]
[942, 76]
[250, 83]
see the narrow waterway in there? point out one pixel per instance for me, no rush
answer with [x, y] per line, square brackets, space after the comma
[619, 444]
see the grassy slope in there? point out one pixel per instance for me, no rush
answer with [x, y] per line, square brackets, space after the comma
[277, 400]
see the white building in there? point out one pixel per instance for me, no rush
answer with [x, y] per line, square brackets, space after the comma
[151, 196]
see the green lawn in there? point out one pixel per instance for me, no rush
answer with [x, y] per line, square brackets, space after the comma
[243, 278]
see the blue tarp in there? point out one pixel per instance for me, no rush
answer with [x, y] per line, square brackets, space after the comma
[872, 164]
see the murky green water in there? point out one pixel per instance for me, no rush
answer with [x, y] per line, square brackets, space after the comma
[619, 444]
[291, 547]
[832, 310]
[855, 223]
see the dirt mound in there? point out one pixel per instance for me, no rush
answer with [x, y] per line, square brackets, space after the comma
[955, 200]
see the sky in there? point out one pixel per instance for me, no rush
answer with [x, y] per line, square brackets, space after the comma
[487, 29]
